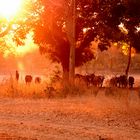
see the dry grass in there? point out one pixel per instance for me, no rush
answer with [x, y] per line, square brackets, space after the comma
[11, 88]
[79, 113]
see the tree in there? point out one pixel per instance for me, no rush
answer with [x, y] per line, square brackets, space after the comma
[48, 20]
[128, 15]
[70, 31]
[95, 20]
[10, 26]
[111, 14]
[133, 14]
[4, 27]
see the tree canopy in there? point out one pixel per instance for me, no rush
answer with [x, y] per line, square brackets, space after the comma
[95, 20]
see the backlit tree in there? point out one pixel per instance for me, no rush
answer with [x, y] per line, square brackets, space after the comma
[95, 20]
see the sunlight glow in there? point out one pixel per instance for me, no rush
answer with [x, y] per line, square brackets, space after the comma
[29, 46]
[138, 29]
[122, 28]
[115, 44]
[9, 8]
[85, 30]
[20, 66]
[11, 48]
[125, 50]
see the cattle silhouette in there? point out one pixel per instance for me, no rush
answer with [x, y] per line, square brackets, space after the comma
[131, 81]
[28, 79]
[37, 80]
[122, 81]
[119, 81]
[98, 80]
[91, 79]
[114, 81]
[17, 75]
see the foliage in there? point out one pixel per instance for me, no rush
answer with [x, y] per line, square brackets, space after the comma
[95, 20]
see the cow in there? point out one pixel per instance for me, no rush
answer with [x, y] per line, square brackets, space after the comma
[89, 79]
[98, 81]
[131, 81]
[114, 81]
[37, 80]
[120, 81]
[123, 81]
[28, 79]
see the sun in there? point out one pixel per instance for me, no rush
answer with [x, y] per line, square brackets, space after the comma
[9, 8]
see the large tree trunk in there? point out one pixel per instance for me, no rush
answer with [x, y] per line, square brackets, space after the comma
[70, 26]
[72, 47]
[129, 61]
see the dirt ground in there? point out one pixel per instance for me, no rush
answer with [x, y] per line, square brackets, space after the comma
[78, 118]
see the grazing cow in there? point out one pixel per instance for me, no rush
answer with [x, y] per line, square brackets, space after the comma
[114, 81]
[101, 80]
[98, 81]
[123, 81]
[28, 79]
[119, 81]
[37, 80]
[89, 79]
[131, 81]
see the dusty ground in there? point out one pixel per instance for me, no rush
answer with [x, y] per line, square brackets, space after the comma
[79, 118]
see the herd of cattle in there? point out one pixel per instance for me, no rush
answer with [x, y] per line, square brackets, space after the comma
[29, 79]
[122, 81]
[116, 81]
[95, 80]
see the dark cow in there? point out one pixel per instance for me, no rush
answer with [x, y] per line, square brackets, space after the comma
[119, 81]
[98, 81]
[89, 79]
[114, 81]
[37, 80]
[85, 78]
[123, 81]
[131, 81]
[28, 79]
